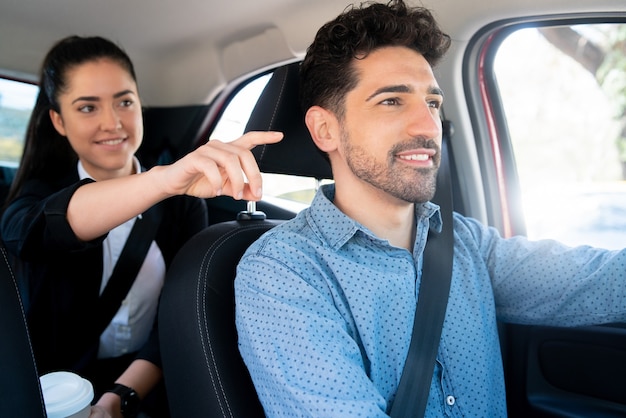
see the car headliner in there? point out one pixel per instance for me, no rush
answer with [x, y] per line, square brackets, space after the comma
[186, 51]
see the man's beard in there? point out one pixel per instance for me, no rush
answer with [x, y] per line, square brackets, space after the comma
[413, 185]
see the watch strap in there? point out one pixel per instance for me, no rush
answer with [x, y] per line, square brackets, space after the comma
[129, 399]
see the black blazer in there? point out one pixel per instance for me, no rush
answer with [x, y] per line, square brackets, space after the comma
[60, 275]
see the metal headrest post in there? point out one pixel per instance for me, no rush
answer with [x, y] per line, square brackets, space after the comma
[251, 214]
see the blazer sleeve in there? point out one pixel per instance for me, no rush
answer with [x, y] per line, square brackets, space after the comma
[35, 224]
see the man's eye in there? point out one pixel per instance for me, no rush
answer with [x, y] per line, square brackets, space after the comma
[126, 103]
[390, 102]
[435, 104]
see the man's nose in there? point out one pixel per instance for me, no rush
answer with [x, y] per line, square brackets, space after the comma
[425, 121]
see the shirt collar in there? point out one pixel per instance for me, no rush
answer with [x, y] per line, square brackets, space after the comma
[83, 174]
[336, 228]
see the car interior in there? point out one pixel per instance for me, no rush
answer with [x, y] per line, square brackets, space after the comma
[204, 373]
[20, 388]
[195, 60]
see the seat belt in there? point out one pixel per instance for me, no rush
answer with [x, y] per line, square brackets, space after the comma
[121, 280]
[414, 388]
[127, 267]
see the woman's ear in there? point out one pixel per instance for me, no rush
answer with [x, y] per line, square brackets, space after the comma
[57, 122]
[323, 127]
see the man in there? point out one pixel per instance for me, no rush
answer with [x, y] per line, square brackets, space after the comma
[325, 302]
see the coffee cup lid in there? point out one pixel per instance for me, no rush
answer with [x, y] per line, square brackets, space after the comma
[65, 393]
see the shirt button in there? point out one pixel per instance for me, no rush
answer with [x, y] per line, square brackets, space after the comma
[450, 400]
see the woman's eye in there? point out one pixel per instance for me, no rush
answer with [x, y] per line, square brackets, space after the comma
[86, 109]
[126, 103]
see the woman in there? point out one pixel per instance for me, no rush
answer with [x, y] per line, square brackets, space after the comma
[78, 194]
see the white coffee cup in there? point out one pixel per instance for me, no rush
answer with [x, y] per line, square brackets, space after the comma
[66, 395]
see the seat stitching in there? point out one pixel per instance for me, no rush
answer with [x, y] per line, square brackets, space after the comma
[199, 317]
[19, 299]
[210, 356]
[275, 111]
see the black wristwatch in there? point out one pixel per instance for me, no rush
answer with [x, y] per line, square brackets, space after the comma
[130, 400]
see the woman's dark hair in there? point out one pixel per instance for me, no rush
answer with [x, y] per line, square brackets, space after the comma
[47, 154]
[327, 73]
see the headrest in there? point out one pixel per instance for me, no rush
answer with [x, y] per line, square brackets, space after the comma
[278, 109]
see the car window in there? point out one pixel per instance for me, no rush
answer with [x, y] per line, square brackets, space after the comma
[563, 92]
[290, 192]
[17, 100]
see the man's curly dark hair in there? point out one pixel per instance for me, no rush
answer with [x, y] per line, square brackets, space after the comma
[327, 73]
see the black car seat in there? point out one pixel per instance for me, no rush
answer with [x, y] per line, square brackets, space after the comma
[20, 391]
[204, 373]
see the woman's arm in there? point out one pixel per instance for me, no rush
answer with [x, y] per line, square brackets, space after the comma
[213, 169]
[141, 375]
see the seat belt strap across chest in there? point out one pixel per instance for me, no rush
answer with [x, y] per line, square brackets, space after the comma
[414, 388]
[127, 267]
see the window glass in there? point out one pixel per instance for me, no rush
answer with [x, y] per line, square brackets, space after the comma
[290, 192]
[234, 118]
[17, 100]
[563, 90]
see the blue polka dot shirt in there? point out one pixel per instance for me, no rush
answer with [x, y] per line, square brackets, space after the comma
[325, 309]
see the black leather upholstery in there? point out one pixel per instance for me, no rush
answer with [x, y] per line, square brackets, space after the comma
[20, 392]
[204, 373]
[278, 110]
[170, 132]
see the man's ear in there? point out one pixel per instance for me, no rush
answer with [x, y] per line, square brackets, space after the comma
[57, 122]
[323, 127]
